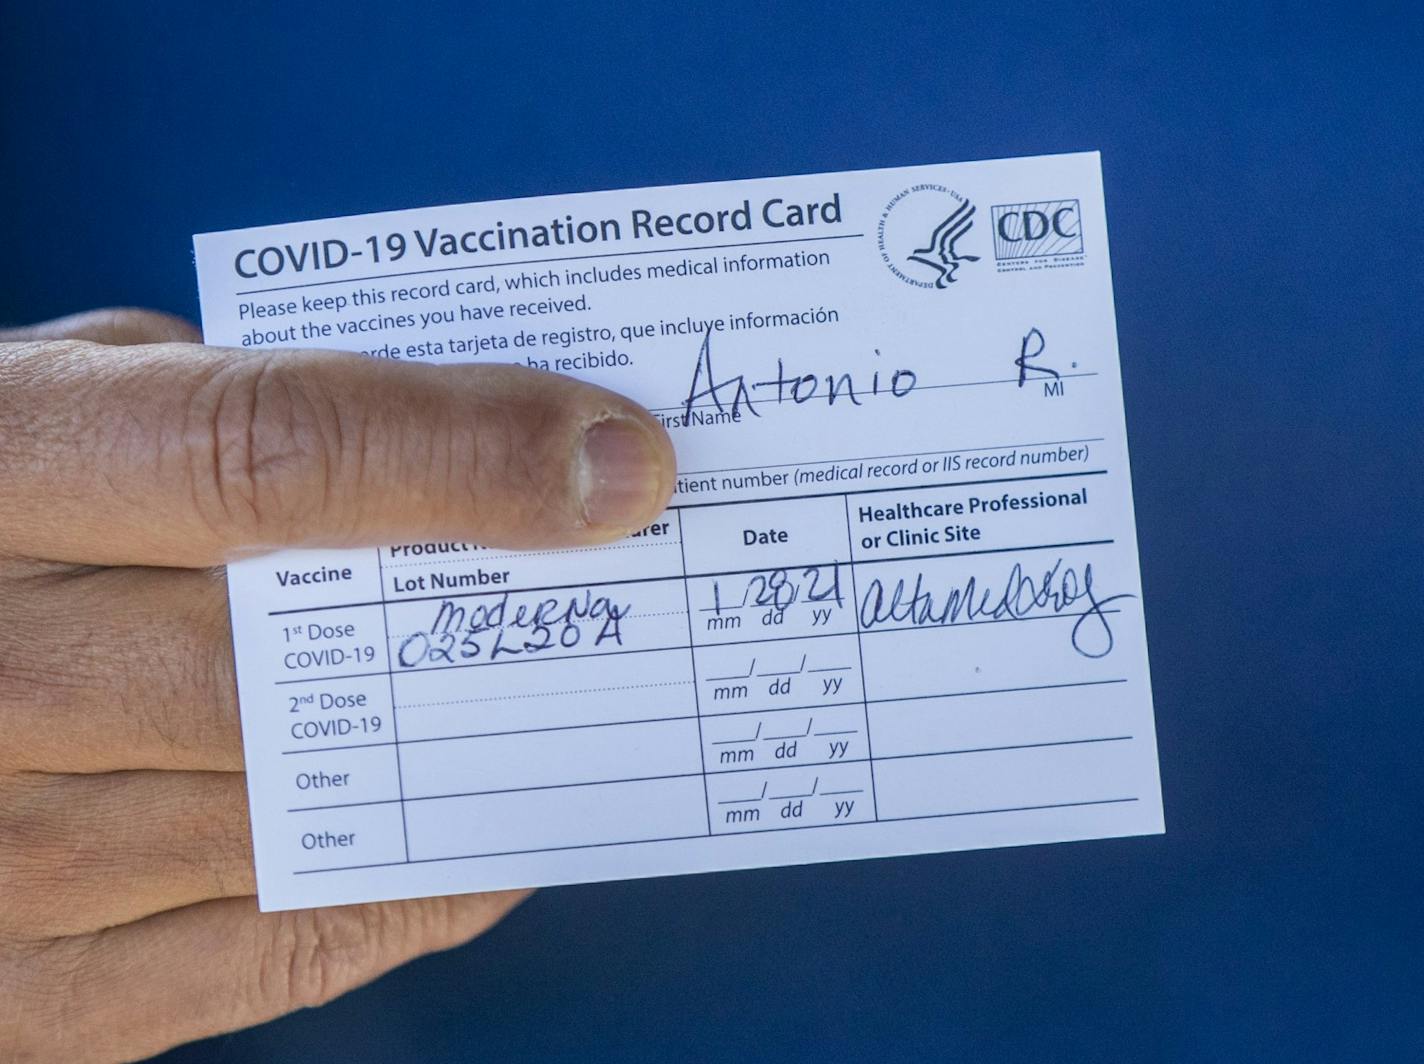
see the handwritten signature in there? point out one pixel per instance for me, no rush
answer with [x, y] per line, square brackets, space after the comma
[1060, 591]
[735, 394]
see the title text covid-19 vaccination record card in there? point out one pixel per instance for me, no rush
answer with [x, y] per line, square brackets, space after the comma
[894, 607]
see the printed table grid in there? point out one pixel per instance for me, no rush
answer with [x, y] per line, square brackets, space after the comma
[739, 794]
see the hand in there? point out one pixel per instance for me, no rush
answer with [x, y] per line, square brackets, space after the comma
[132, 461]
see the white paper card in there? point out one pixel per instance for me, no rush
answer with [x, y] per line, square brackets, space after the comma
[895, 606]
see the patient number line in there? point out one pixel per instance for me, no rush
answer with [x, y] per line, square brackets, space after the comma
[887, 457]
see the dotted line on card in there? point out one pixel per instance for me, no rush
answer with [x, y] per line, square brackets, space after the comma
[627, 616]
[544, 694]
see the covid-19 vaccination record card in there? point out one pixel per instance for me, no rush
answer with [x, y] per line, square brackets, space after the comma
[894, 607]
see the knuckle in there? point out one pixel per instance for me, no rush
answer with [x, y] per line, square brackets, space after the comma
[518, 455]
[37, 855]
[214, 669]
[32, 691]
[38, 355]
[110, 326]
[51, 683]
[317, 955]
[136, 325]
[50, 1000]
[68, 695]
[27, 368]
[26, 685]
[26, 1017]
[264, 447]
[151, 686]
[122, 321]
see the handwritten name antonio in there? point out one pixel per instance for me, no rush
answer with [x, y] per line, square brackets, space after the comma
[734, 395]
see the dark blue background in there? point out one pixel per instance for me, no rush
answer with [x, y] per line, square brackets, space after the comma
[1264, 191]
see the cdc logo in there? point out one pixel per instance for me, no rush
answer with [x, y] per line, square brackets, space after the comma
[1048, 229]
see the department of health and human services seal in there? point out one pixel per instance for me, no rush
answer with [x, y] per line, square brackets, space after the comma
[923, 235]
